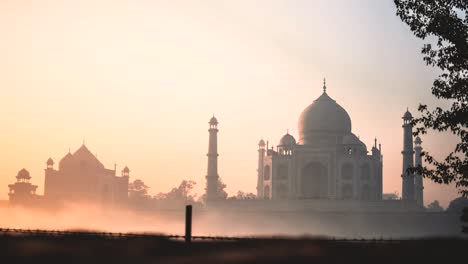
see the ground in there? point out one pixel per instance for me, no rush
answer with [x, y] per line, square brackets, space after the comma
[37, 248]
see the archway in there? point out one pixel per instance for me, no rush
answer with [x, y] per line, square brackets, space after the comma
[105, 194]
[347, 172]
[365, 192]
[347, 191]
[282, 191]
[266, 173]
[282, 172]
[365, 172]
[266, 192]
[314, 181]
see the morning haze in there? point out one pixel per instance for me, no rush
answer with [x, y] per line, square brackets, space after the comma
[138, 81]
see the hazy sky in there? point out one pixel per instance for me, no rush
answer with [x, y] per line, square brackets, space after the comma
[139, 80]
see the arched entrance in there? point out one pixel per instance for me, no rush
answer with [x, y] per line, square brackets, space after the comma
[365, 192]
[266, 192]
[314, 181]
[365, 172]
[266, 173]
[282, 191]
[347, 172]
[282, 172]
[347, 191]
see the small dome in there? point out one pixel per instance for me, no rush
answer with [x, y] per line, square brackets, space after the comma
[407, 115]
[126, 169]
[213, 121]
[50, 161]
[287, 140]
[261, 143]
[353, 140]
[23, 174]
[418, 140]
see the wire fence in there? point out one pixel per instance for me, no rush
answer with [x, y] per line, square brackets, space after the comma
[91, 234]
[113, 235]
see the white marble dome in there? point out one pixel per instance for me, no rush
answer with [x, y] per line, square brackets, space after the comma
[323, 116]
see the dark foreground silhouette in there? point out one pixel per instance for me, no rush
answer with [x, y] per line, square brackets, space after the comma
[98, 248]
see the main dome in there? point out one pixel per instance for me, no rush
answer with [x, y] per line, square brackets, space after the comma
[323, 116]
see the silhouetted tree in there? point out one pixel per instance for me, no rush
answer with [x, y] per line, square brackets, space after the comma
[243, 196]
[221, 192]
[137, 188]
[138, 194]
[457, 205]
[390, 196]
[447, 22]
[434, 207]
[460, 206]
[180, 193]
[464, 219]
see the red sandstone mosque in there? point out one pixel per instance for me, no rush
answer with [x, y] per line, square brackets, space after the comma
[80, 177]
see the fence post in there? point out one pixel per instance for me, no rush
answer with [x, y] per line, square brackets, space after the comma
[188, 223]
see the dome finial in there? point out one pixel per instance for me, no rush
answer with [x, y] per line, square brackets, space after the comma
[324, 85]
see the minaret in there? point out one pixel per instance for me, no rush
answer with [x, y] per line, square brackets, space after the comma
[49, 172]
[22, 191]
[212, 176]
[50, 164]
[380, 173]
[418, 179]
[126, 172]
[408, 177]
[261, 155]
[377, 161]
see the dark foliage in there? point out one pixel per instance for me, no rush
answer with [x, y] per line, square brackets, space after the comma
[446, 22]
[464, 219]
[457, 205]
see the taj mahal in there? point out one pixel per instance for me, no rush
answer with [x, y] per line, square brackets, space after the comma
[327, 163]
[327, 168]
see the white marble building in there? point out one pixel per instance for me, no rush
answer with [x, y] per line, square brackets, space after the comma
[327, 162]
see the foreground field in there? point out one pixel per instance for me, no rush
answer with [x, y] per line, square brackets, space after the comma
[37, 248]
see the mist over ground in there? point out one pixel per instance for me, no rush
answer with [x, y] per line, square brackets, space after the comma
[240, 223]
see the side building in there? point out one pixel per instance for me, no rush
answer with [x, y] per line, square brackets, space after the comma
[22, 191]
[81, 177]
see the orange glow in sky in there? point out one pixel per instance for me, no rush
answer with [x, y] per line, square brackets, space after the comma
[139, 80]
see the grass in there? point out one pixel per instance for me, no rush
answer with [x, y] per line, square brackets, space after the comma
[80, 247]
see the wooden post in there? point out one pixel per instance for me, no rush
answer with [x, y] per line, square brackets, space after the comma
[188, 223]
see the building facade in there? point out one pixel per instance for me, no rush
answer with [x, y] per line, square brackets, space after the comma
[328, 161]
[22, 191]
[82, 177]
